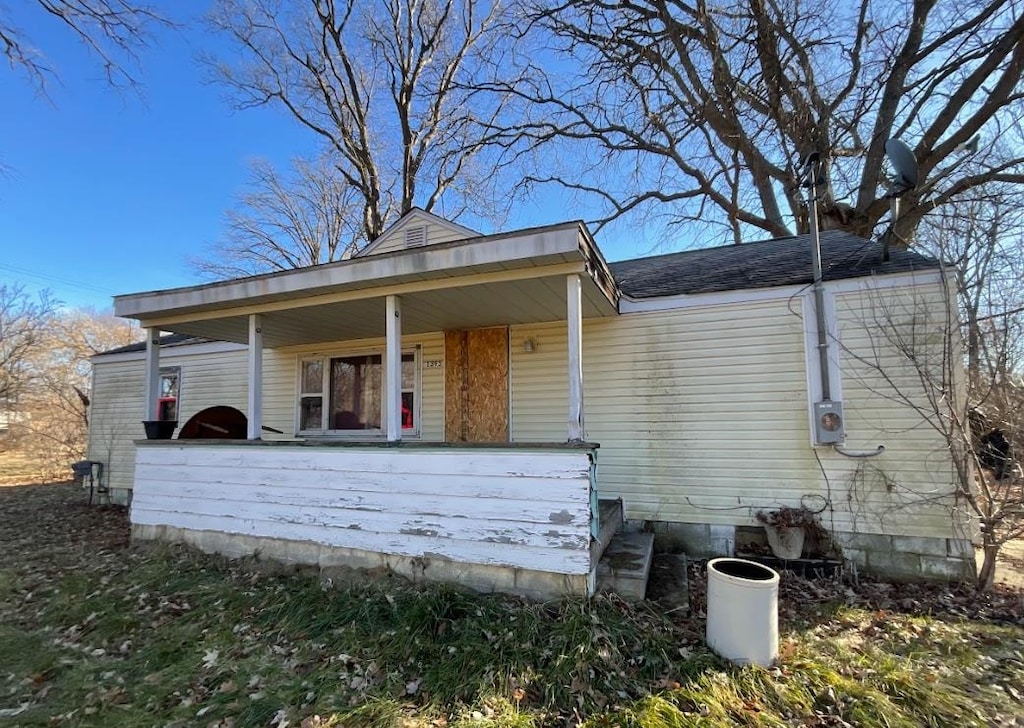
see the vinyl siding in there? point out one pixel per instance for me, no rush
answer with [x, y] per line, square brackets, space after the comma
[701, 412]
[118, 408]
[220, 379]
[701, 415]
[908, 489]
[395, 239]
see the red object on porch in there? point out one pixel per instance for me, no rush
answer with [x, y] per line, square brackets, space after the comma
[216, 423]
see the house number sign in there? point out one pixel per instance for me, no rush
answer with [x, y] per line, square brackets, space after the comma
[432, 364]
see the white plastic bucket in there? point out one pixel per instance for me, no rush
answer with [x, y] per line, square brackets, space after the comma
[743, 611]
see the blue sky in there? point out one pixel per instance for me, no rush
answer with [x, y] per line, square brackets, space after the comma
[105, 192]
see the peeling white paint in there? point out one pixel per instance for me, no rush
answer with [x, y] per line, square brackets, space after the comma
[523, 509]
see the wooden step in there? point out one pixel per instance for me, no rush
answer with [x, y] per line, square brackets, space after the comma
[626, 564]
[610, 523]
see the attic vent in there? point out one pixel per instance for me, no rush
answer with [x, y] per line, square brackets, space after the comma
[416, 236]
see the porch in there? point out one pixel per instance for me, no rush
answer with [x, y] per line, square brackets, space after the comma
[517, 518]
[389, 377]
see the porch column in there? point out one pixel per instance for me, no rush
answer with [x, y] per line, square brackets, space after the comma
[393, 369]
[574, 318]
[152, 410]
[254, 411]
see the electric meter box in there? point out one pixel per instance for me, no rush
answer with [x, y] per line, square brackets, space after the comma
[829, 425]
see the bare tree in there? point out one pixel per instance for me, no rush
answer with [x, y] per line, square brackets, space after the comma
[387, 87]
[53, 384]
[982, 241]
[114, 31]
[920, 348]
[309, 218]
[24, 323]
[703, 111]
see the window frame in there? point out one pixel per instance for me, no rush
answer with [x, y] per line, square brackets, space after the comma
[325, 364]
[168, 371]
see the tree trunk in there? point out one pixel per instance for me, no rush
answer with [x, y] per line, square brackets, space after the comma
[987, 574]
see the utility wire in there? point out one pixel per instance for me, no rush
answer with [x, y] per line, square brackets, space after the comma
[70, 282]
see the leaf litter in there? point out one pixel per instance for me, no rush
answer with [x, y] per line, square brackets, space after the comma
[97, 632]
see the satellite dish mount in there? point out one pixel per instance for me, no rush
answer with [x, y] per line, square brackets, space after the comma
[905, 179]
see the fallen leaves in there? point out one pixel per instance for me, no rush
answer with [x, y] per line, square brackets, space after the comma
[208, 642]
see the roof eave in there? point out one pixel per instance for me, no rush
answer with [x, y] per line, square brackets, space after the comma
[524, 248]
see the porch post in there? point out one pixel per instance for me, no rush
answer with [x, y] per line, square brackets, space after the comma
[574, 318]
[152, 410]
[255, 404]
[393, 369]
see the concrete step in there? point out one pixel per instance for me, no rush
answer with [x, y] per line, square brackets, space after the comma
[610, 523]
[626, 564]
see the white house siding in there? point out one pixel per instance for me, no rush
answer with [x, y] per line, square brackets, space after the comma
[701, 415]
[495, 508]
[436, 233]
[117, 409]
[908, 489]
[538, 383]
[280, 367]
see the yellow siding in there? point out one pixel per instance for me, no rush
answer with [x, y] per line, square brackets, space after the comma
[118, 393]
[908, 489]
[280, 368]
[538, 383]
[701, 415]
[700, 412]
[115, 418]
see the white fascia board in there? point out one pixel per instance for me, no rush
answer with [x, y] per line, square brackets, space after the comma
[172, 351]
[754, 295]
[441, 261]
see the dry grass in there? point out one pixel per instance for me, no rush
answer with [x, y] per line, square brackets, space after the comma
[95, 633]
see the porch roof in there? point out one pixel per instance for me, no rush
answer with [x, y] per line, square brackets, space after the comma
[492, 280]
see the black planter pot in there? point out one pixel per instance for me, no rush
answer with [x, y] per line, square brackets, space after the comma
[159, 429]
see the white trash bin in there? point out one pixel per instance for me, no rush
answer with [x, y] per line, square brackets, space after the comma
[743, 611]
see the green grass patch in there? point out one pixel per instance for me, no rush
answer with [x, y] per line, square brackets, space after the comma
[172, 636]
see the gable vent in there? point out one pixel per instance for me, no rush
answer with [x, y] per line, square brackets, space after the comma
[416, 236]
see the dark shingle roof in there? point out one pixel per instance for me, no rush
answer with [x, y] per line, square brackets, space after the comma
[167, 340]
[764, 264]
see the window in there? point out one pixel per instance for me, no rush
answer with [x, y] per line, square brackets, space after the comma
[167, 399]
[346, 393]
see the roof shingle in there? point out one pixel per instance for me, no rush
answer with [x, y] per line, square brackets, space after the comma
[764, 264]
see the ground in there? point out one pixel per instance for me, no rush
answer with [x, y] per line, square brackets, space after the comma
[96, 632]
[1010, 570]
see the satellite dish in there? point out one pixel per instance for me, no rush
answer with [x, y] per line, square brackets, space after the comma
[905, 165]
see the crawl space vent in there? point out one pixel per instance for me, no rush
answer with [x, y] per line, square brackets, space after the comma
[416, 237]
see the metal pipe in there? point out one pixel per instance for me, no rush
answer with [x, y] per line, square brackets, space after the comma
[819, 288]
[894, 210]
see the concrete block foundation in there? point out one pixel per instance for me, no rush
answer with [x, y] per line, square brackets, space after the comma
[345, 565]
[901, 558]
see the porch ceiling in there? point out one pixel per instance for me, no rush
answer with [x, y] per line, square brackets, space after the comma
[489, 304]
[492, 281]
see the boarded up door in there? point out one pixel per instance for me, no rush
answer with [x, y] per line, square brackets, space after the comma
[476, 385]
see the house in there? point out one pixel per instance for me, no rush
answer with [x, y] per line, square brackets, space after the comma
[464, 407]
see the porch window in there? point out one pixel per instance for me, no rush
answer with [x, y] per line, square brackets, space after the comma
[167, 402]
[346, 393]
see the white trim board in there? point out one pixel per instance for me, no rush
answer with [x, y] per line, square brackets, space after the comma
[171, 351]
[524, 250]
[754, 295]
